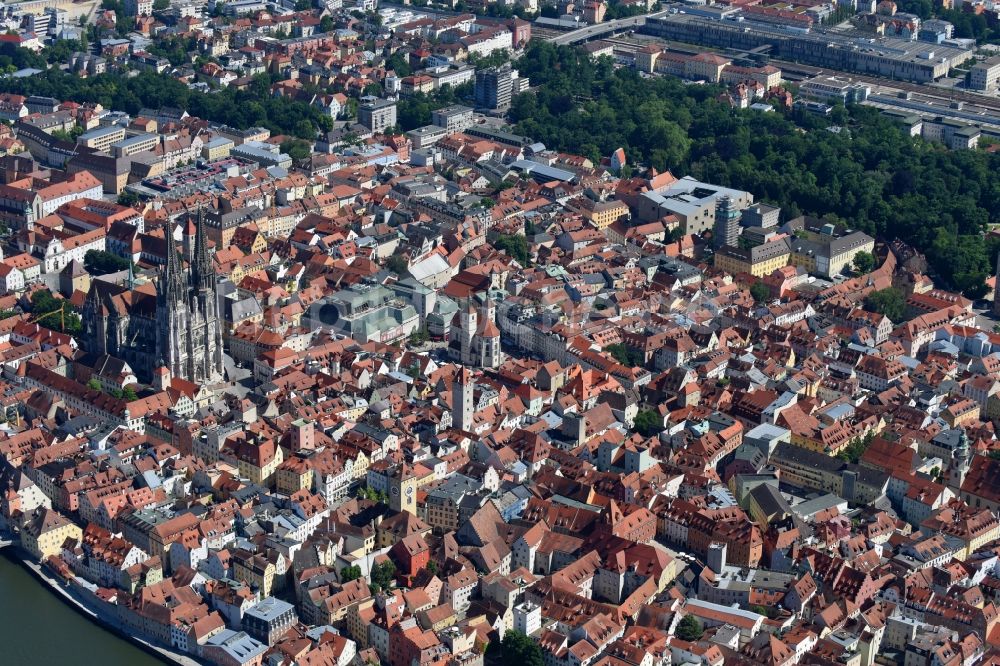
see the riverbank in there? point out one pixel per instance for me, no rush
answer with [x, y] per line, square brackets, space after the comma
[37, 628]
[76, 599]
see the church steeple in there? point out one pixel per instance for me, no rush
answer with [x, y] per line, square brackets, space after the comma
[173, 282]
[203, 276]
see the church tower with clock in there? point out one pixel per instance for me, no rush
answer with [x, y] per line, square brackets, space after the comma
[403, 489]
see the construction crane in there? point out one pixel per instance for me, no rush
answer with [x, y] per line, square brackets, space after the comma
[62, 317]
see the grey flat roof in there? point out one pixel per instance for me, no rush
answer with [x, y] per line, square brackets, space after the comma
[100, 131]
[453, 109]
[139, 138]
[269, 609]
[543, 169]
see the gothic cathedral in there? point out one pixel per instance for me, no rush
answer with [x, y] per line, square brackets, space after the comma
[179, 329]
[189, 334]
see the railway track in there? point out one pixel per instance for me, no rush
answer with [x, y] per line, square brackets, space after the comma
[932, 92]
[794, 71]
[542, 33]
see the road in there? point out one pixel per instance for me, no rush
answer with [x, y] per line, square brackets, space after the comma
[985, 319]
[241, 378]
[420, 10]
[794, 71]
[572, 37]
[608, 27]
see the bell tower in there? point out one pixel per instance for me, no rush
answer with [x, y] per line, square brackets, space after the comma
[959, 466]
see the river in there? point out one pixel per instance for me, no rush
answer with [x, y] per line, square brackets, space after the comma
[37, 629]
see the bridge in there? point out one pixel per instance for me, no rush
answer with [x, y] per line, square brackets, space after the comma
[605, 29]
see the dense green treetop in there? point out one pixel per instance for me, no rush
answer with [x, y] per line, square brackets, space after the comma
[252, 107]
[888, 302]
[875, 178]
[519, 650]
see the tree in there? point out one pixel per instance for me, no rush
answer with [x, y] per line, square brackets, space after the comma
[514, 245]
[61, 50]
[62, 135]
[878, 180]
[419, 337]
[856, 448]
[769, 611]
[296, 149]
[382, 576]
[760, 291]
[432, 567]
[55, 313]
[100, 262]
[127, 198]
[369, 493]
[178, 50]
[398, 264]
[413, 112]
[117, 6]
[305, 129]
[648, 423]
[888, 302]
[864, 262]
[519, 650]
[689, 628]
[398, 64]
[160, 5]
[238, 108]
[963, 260]
[350, 573]
[129, 394]
[93, 384]
[43, 301]
[496, 58]
[627, 356]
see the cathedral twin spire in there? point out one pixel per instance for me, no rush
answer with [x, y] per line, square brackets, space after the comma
[189, 337]
[202, 273]
[174, 282]
[183, 334]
